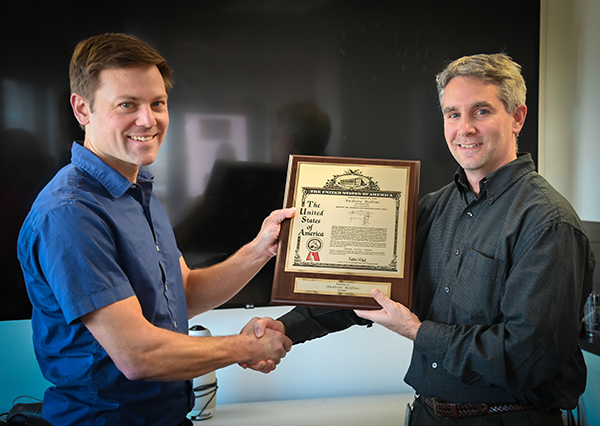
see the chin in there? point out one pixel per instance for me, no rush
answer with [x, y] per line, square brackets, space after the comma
[147, 162]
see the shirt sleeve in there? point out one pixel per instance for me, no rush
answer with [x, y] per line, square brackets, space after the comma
[541, 313]
[307, 323]
[74, 252]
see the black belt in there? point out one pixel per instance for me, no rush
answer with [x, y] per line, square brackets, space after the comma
[457, 411]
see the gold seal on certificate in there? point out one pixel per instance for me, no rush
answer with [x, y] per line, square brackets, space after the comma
[354, 231]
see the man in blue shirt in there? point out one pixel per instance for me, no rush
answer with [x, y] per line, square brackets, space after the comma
[111, 292]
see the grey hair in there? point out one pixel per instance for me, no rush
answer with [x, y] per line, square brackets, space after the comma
[498, 69]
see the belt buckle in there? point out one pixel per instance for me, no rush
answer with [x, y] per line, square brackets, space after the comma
[434, 400]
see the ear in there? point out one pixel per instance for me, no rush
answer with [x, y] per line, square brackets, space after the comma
[81, 109]
[519, 118]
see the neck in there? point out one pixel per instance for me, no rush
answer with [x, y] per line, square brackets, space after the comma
[130, 171]
[473, 182]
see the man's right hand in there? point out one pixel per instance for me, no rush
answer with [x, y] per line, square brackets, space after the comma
[261, 327]
[270, 335]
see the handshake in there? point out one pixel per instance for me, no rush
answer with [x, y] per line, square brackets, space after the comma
[269, 344]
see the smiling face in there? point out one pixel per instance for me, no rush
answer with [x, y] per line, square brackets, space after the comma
[129, 120]
[480, 133]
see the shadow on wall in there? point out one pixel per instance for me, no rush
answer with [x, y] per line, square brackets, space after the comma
[25, 167]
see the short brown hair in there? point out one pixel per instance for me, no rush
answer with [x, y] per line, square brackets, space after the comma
[498, 69]
[111, 51]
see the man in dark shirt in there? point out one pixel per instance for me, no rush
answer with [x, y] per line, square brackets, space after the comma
[503, 267]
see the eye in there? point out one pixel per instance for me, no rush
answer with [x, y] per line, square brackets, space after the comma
[126, 105]
[482, 112]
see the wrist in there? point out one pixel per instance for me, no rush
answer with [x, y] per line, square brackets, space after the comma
[256, 252]
[246, 349]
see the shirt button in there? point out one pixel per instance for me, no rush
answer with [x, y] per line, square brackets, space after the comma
[157, 249]
[434, 365]
[456, 252]
[175, 324]
[469, 214]
[446, 290]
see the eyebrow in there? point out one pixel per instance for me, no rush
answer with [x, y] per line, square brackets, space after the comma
[136, 99]
[473, 106]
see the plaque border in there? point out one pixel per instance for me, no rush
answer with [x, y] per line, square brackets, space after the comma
[401, 287]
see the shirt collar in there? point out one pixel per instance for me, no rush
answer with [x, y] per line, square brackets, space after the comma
[496, 183]
[115, 183]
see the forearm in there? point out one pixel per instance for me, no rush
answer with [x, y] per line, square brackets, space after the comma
[307, 323]
[171, 356]
[142, 351]
[210, 287]
[207, 288]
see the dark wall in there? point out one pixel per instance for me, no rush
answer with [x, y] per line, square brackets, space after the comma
[370, 65]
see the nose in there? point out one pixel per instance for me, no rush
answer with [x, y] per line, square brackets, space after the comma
[145, 117]
[466, 127]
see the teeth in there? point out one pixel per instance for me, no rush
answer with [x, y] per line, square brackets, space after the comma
[141, 138]
[473, 145]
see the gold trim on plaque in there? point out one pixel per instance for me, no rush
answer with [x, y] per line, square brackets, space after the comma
[349, 224]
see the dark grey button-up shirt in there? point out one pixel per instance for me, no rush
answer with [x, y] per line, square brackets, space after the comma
[500, 286]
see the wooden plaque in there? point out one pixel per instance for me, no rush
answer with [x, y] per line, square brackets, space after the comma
[354, 230]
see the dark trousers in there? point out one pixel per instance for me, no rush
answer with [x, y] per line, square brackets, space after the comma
[186, 422]
[423, 415]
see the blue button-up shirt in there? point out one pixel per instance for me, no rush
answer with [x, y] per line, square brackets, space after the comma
[93, 238]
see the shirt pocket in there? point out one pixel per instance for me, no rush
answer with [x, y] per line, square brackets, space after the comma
[477, 291]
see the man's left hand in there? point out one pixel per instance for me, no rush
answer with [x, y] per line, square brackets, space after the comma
[267, 239]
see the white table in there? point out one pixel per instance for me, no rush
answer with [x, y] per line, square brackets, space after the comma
[376, 410]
